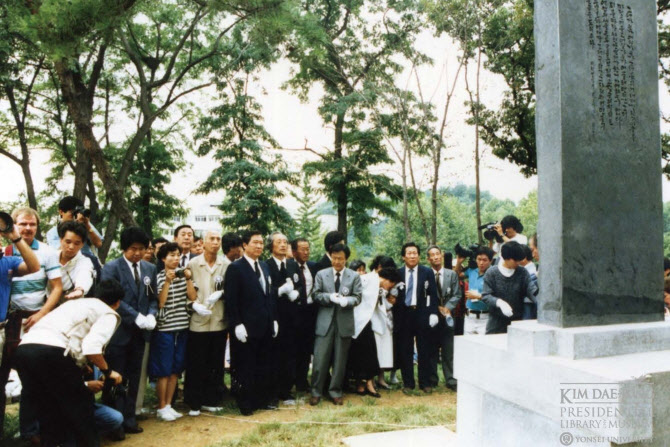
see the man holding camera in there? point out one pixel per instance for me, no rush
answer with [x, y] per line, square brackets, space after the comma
[477, 310]
[71, 208]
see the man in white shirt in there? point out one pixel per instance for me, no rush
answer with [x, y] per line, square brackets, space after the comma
[49, 361]
[76, 269]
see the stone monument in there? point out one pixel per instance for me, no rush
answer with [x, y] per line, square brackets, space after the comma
[593, 370]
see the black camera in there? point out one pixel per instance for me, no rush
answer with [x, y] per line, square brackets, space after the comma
[470, 253]
[112, 391]
[81, 210]
[179, 273]
[490, 232]
[6, 223]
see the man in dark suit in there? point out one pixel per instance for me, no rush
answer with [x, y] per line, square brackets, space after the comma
[337, 291]
[183, 236]
[332, 238]
[306, 318]
[137, 310]
[284, 277]
[449, 294]
[415, 316]
[252, 320]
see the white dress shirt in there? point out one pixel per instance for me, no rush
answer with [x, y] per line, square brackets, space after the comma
[260, 269]
[415, 283]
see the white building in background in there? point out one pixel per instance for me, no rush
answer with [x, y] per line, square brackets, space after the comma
[201, 218]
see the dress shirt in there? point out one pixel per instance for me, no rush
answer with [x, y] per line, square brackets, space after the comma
[252, 262]
[415, 282]
[309, 280]
[77, 272]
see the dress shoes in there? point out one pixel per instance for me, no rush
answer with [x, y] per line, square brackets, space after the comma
[408, 391]
[427, 390]
[383, 386]
[314, 400]
[338, 400]
[246, 412]
[452, 386]
[373, 394]
[133, 430]
[116, 435]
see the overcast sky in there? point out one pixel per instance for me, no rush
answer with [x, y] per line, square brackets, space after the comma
[292, 123]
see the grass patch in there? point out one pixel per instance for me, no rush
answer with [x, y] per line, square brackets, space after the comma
[327, 425]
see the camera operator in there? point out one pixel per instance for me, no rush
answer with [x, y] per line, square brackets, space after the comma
[505, 287]
[76, 269]
[509, 229]
[477, 311]
[50, 359]
[71, 208]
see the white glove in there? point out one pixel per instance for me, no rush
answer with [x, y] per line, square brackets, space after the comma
[335, 298]
[213, 298]
[505, 308]
[201, 309]
[151, 322]
[276, 329]
[241, 333]
[432, 320]
[343, 301]
[310, 300]
[286, 288]
[293, 295]
[141, 321]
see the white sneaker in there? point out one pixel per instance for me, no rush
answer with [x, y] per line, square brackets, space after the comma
[174, 412]
[289, 402]
[164, 414]
[194, 413]
[211, 409]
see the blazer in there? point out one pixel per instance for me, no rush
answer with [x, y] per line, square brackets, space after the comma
[350, 288]
[286, 310]
[245, 301]
[451, 292]
[313, 269]
[145, 302]
[426, 296]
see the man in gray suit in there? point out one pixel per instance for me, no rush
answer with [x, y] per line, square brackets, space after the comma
[448, 295]
[337, 291]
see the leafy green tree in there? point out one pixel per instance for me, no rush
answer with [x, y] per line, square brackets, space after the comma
[233, 133]
[350, 47]
[308, 224]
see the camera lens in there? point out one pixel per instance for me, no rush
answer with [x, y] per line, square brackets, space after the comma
[6, 222]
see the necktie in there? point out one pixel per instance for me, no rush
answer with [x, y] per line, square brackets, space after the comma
[183, 261]
[337, 282]
[258, 275]
[282, 271]
[410, 288]
[439, 288]
[303, 282]
[136, 274]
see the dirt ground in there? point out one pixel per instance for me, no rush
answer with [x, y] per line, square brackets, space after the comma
[210, 429]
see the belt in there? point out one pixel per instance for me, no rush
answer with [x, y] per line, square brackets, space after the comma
[477, 312]
[411, 307]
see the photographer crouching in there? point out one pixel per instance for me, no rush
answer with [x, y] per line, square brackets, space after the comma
[51, 358]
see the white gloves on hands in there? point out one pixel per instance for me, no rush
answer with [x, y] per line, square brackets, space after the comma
[213, 298]
[241, 333]
[310, 300]
[151, 322]
[142, 322]
[432, 320]
[335, 298]
[201, 309]
[286, 288]
[505, 308]
[293, 295]
[276, 329]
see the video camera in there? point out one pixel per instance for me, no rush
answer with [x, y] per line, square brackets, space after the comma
[179, 273]
[490, 232]
[81, 210]
[113, 391]
[6, 223]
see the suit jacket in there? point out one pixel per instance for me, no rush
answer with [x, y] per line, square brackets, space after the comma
[246, 302]
[324, 263]
[329, 312]
[286, 310]
[145, 302]
[313, 268]
[451, 292]
[426, 297]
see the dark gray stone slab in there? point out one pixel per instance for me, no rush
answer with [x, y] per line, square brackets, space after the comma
[598, 144]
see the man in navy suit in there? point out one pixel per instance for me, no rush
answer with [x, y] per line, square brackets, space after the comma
[415, 316]
[137, 311]
[307, 309]
[252, 319]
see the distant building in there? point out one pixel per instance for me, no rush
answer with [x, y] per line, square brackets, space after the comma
[201, 218]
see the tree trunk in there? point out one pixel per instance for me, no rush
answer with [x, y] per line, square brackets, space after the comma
[341, 187]
[79, 99]
[81, 169]
[477, 190]
[405, 199]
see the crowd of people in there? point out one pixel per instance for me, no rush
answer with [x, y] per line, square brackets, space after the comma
[166, 310]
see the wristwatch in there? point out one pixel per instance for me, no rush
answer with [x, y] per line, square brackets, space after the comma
[17, 240]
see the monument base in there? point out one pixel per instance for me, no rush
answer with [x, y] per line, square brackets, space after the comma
[545, 386]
